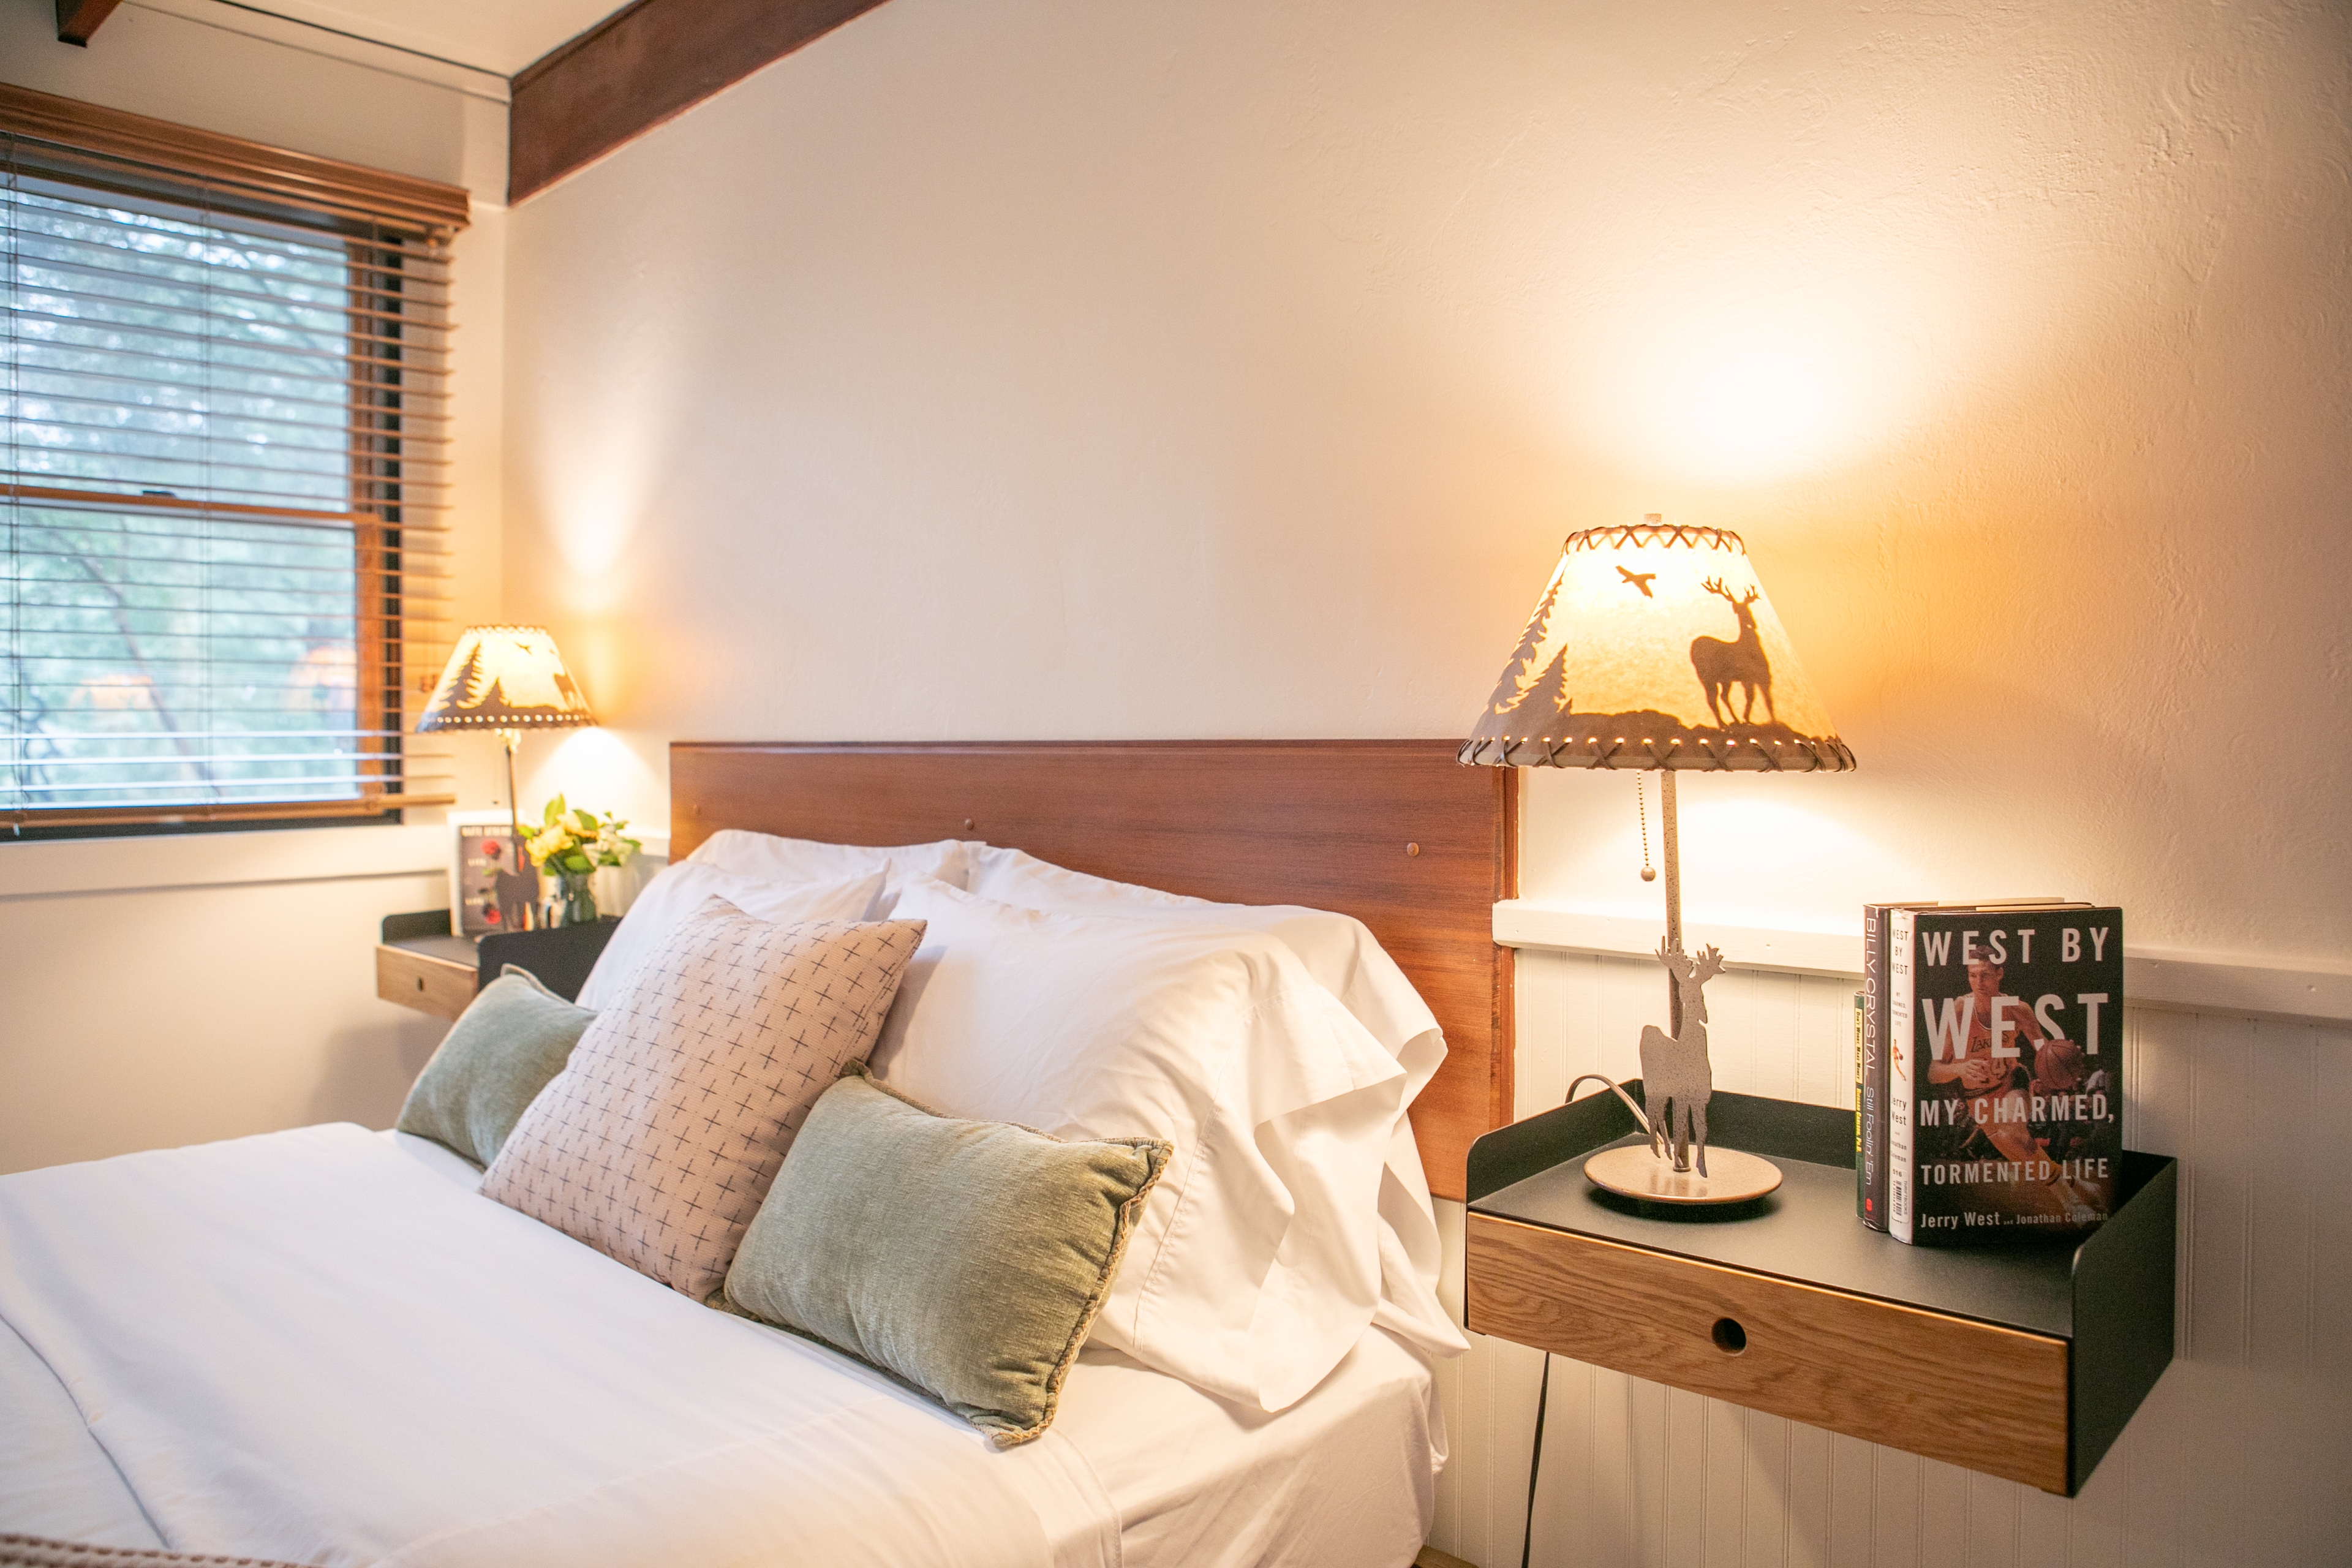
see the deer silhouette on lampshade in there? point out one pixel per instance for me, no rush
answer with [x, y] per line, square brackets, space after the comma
[1723, 665]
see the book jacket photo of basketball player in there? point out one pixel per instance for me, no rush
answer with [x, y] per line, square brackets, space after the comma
[2019, 1036]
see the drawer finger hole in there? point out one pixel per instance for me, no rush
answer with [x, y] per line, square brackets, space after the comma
[1729, 1337]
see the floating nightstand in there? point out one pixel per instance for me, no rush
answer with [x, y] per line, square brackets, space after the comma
[2021, 1360]
[419, 965]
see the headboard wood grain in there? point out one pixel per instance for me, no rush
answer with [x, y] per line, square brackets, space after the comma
[1322, 823]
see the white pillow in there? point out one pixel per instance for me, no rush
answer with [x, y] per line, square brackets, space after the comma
[676, 892]
[775, 860]
[1339, 950]
[1342, 954]
[1257, 1262]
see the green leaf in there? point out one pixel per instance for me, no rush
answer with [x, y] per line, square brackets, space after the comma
[587, 821]
[576, 863]
[555, 808]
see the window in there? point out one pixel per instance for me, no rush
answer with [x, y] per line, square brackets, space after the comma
[223, 485]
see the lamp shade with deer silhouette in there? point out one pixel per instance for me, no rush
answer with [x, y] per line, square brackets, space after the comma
[1654, 647]
[505, 678]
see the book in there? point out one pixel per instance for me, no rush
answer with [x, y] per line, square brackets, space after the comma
[2004, 1070]
[1861, 1121]
[1870, 1176]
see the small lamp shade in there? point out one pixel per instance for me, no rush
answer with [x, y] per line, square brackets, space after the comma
[505, 678]
[1654, 647]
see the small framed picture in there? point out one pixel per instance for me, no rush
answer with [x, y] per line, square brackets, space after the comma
[492, 884]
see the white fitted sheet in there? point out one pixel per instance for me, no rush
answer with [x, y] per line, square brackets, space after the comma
[320, 1428]
[1346, 1477]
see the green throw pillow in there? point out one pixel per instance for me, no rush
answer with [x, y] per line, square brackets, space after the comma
[968, 1258]
[511, 1038]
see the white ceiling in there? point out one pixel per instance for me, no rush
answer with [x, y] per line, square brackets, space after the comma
[498, 35]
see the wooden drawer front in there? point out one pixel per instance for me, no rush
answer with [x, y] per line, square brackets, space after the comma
[1989, 1398]
[429, 984]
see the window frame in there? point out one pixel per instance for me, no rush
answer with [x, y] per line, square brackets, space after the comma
[376, 215]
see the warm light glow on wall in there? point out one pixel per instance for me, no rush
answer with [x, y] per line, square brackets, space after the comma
[596, 510]
[1748, 391]
[595, 488]
[597, 769]
[1758, 849]
[1748, 406]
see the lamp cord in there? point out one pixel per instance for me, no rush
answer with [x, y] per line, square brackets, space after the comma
[1534, 1463]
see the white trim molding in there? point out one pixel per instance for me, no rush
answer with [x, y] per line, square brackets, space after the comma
[2153, 976]
[80, 867]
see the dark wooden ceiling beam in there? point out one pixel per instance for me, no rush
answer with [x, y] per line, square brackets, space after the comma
[643, 65]
[78, 19]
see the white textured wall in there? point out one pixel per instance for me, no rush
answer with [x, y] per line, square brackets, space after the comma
[172, 990]
[1061, 369]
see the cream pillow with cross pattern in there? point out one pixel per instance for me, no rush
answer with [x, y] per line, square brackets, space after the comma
[660, 1137]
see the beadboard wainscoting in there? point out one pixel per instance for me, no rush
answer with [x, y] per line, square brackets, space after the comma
[2242, 1456]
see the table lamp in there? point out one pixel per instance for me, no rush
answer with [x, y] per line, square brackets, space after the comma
[1654, 647]
[507, 679]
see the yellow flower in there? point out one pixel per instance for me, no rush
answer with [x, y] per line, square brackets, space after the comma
[553, 841]
[598, 840]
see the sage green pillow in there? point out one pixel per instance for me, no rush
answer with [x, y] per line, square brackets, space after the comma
[511, 1038]
[968, 1258]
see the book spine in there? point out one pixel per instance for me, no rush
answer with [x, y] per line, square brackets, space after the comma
[1902, 1067]
[1873, 1110]
[1861, 1174]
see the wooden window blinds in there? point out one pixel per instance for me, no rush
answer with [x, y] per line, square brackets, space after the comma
[224, 476]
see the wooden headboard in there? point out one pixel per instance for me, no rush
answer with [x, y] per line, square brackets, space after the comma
[1395, 833]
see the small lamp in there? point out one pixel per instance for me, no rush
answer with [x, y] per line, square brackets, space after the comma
[1654, 647]
[507, 679]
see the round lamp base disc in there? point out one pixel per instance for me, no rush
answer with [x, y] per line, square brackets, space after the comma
[1633, 1172]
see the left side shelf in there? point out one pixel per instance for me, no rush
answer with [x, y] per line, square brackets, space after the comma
[419, 965]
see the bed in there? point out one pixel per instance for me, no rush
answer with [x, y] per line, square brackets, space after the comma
[324, 1346]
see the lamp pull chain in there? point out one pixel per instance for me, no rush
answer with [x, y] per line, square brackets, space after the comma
[1641, 810]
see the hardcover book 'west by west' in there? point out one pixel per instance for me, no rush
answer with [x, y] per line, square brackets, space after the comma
[2004, 1071]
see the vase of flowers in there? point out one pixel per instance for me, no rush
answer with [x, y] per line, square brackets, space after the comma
[570, 846]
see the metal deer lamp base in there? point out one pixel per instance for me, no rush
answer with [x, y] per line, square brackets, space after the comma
[1677, 1081]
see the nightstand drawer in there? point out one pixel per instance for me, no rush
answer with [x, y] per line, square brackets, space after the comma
[1989, 1398]
[429, 984]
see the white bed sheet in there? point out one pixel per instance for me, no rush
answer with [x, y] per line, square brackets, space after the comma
[229, 1416]
[305, 1346]
[54, 1481]
[1347, 1477]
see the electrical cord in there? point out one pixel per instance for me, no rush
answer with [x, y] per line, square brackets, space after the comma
[1534, 1463]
